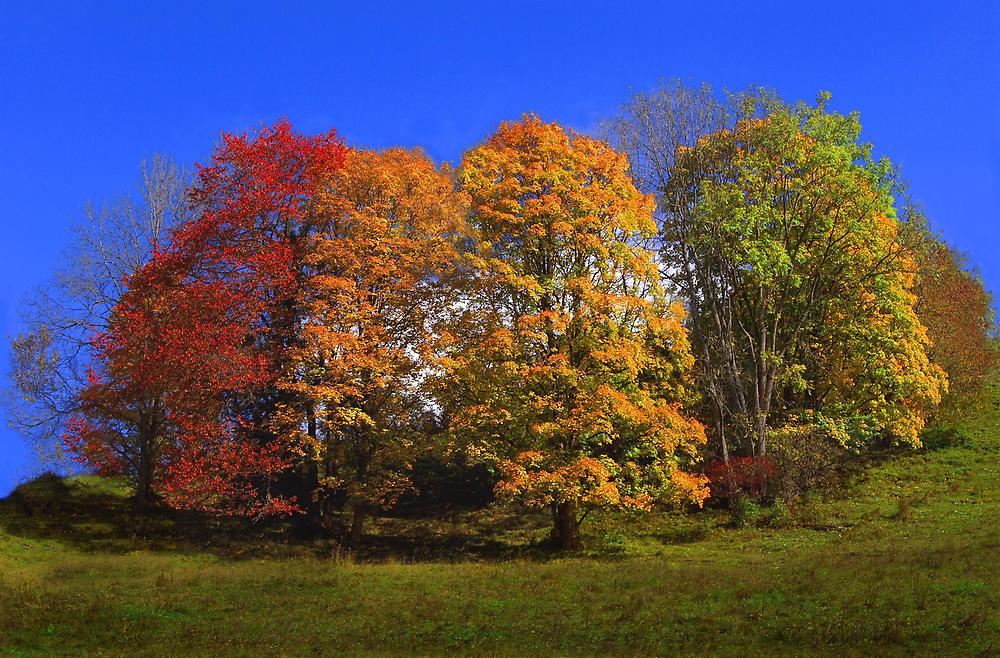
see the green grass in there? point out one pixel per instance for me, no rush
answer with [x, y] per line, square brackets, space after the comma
[902, 560]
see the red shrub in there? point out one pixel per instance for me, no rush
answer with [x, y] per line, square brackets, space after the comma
[742, 475]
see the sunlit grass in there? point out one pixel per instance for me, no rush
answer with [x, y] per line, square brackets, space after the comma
[901, 561]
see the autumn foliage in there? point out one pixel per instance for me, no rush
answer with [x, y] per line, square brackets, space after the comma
[328, 316]
[957, 311]
[574, 366]
[783, 241]
[742, 476]
[195, 346]
[380, 265]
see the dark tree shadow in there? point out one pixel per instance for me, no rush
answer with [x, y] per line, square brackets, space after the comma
[95, 516]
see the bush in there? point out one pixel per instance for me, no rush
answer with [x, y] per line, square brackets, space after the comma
[744, 511]
[804, 456]
[614, 542]
[936, 438]
[776, 516]
[742, 477]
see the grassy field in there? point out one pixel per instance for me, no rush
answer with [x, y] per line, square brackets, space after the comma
[901, 560]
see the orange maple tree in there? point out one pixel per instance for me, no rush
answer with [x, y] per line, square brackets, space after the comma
[569, 367]
[380, 263]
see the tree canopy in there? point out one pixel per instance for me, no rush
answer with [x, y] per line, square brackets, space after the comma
[575, 366]
[586, 320]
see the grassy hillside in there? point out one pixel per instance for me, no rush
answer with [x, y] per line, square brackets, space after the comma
[901, 560]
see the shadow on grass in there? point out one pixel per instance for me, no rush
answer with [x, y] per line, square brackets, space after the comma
[95, 515]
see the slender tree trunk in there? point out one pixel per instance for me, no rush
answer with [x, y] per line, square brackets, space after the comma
[144, 497]
[721, 424]
[310, 482]
[761, 434]
[144, 484]
[763, 410]
[358, 517]
[566, 526]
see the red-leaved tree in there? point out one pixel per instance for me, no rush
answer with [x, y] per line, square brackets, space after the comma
[198, 341]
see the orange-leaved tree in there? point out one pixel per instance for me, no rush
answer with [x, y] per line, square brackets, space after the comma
[569, 368]
[957, 310]
[380, 264]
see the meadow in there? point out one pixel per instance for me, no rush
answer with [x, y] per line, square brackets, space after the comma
[898, 559]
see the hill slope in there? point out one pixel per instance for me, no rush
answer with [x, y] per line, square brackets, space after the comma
[903, 561]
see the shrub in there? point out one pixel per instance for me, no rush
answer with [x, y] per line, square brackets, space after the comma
[804, 456]
[614, 542]
[744, 511]
[741, 477]
[776, 516]
[936, 438]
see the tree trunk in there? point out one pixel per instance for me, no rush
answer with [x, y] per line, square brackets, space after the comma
[357, 526]
[144, 497]
[721, 430]
[310, 483]
[761, 434]
[566, 526]
[309, 487]
[763, 410]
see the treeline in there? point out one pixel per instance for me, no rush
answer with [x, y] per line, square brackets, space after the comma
[732, 281]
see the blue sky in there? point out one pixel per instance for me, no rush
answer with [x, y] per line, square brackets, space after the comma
[88, 89]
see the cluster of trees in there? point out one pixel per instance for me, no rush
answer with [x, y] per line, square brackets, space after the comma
[291, 329]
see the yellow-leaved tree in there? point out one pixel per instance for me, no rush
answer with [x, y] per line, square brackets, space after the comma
[784, 235]
[569, 367]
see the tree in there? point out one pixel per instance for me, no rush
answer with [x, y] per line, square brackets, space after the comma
[653, 129]
[956, 309]
[205, 327]
[381, 263]
[569, 368]
[179, 356]
[53, 358]
[258, 221]
[779, 232]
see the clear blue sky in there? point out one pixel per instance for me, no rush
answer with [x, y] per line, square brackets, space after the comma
[88, 89]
